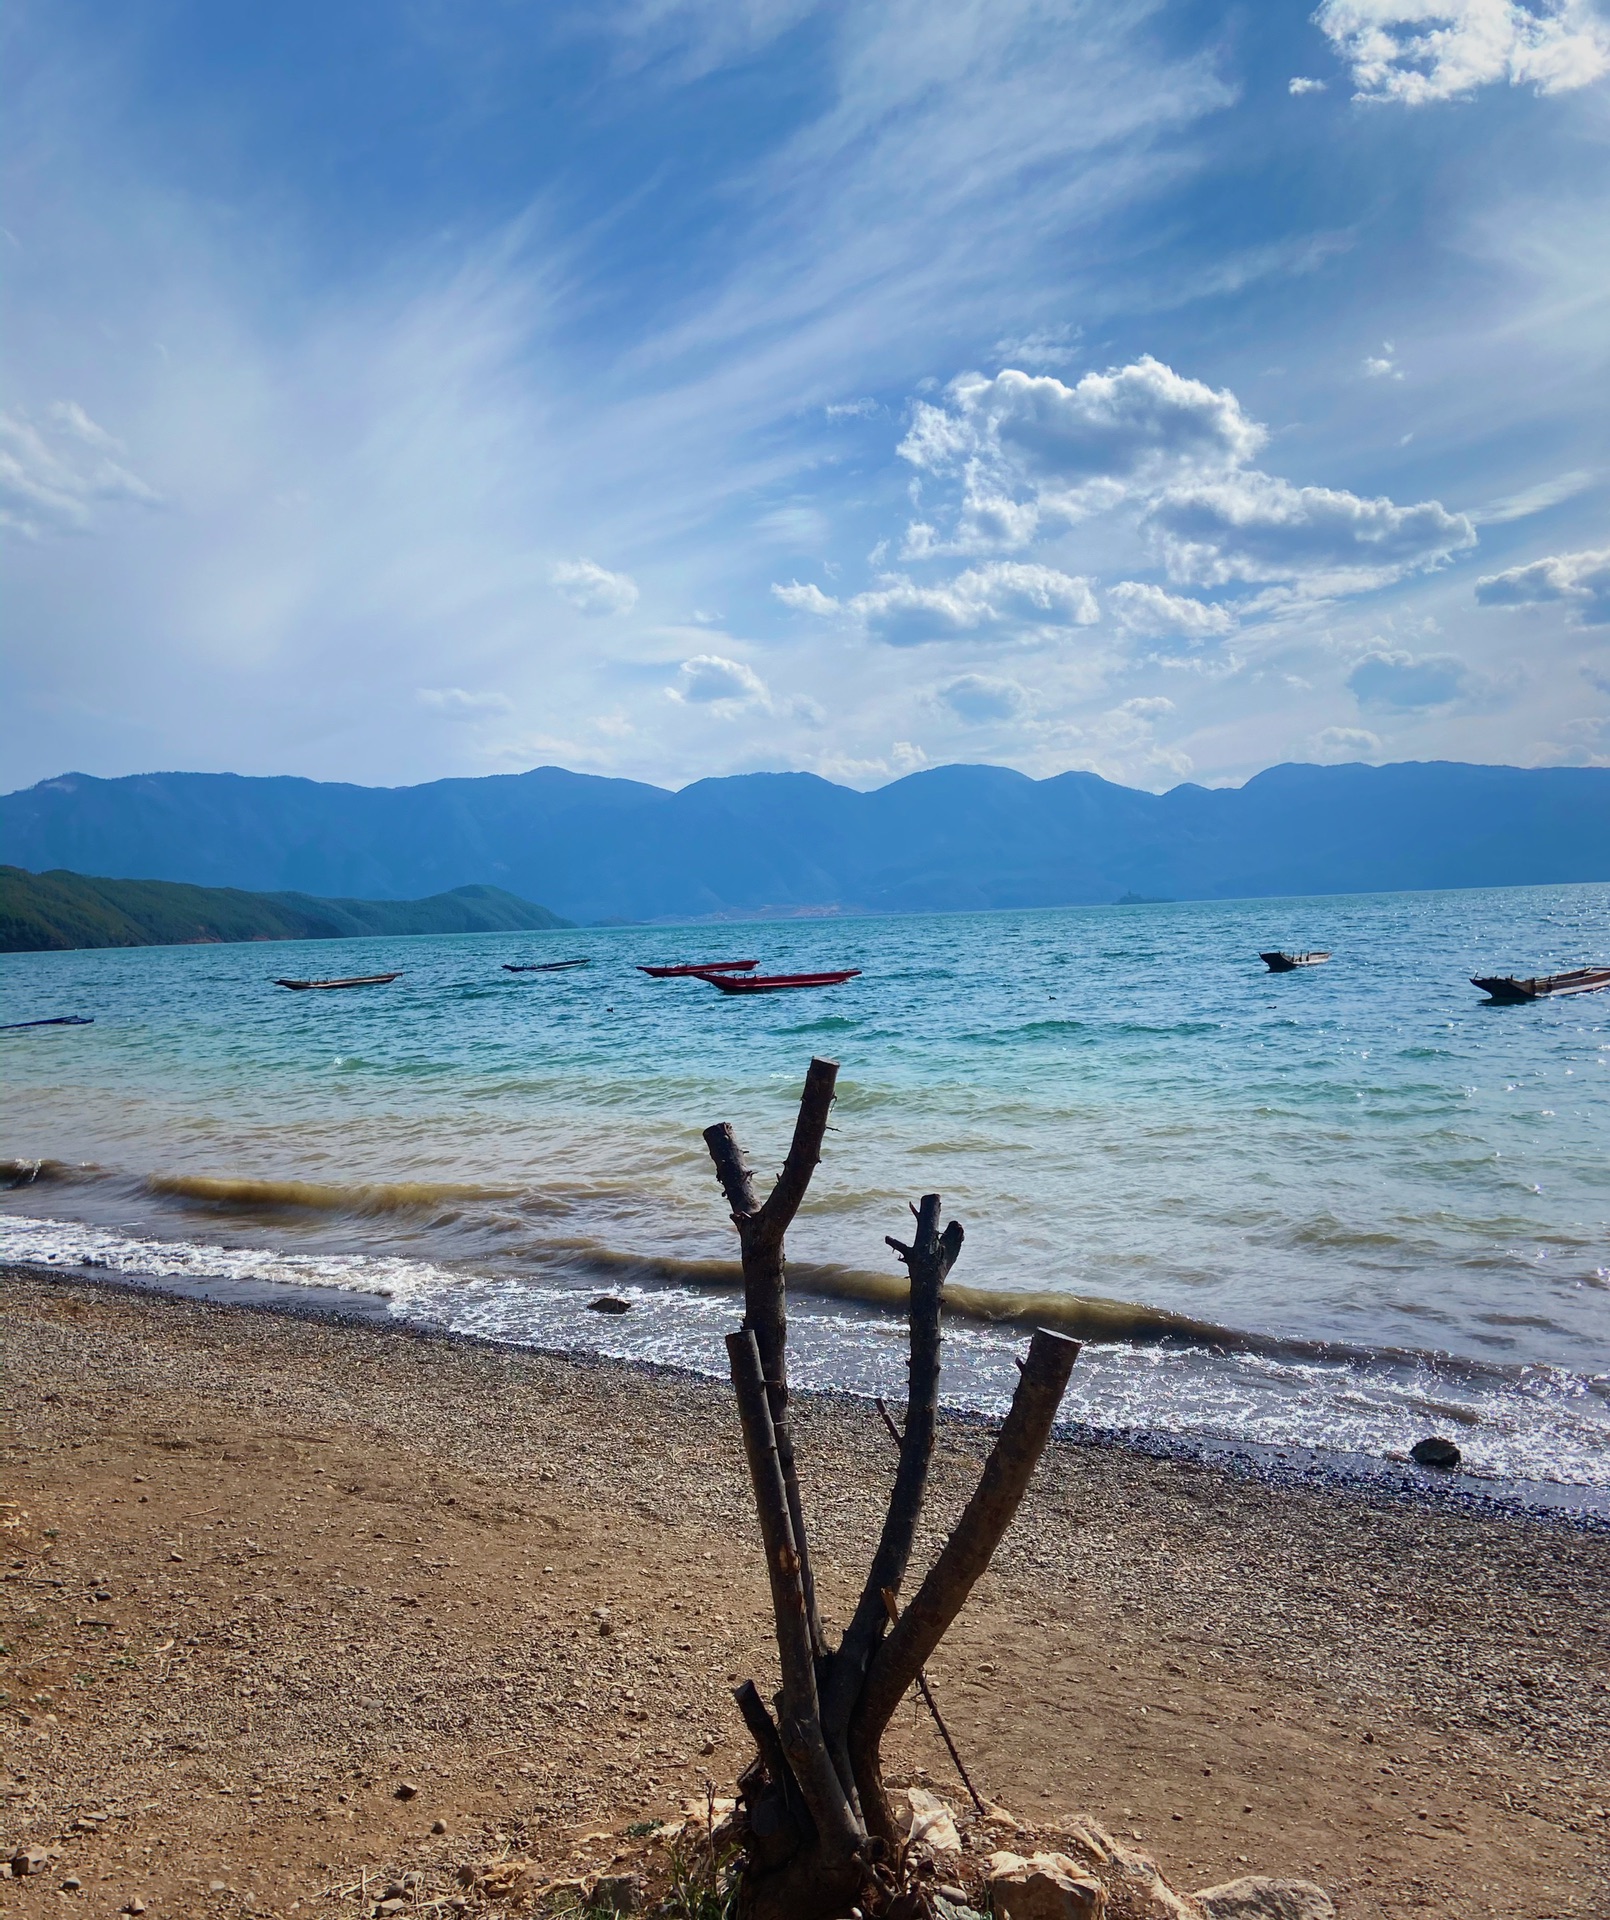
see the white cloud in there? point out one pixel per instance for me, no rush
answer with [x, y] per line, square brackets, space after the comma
[1581, 580]
[592, 588]
[52, 478]
[1253, 526]
[727, 687]
[1535, 499]
[1332, 744]
[1146, 609]
[1382, 366]
[1006, 597]
[459, 705]
[1080, 447]
[850, 409]
[805, 598]
[978, 698]
[1044, 347]
[1408, 682]
[1418, 51]
[1300, 83]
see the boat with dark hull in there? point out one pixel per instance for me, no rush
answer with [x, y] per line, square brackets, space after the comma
[693, 968]
[329, 986]
[543, 966]
[1506, 990]
[1290, 962]
[777, 982]
[55, 1020]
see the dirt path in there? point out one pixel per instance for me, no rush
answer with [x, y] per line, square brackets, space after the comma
[259, 1572]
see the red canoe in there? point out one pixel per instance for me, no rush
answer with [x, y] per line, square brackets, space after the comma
[778, 982]
[700, 967]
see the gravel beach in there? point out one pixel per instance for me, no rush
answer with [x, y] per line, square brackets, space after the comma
[261, 1572]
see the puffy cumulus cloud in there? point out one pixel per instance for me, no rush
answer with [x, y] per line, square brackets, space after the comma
[594, 589]
[1332, 744]
[1419, 51]
[805, 598]
[456, 704]
[53, 476]
[1408, 682]
[1080, 447]
[977, 698]
[725, 686]
[1005, 597]
[1582, 580]
[1145, 609]
[1254, 526]
[1301, 83]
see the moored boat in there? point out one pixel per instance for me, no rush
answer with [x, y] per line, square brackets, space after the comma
[1509, 991]
[55, 1020]
[543, 966]
[325, 986]
[777, 982]
[694, 967]
[1289, 962]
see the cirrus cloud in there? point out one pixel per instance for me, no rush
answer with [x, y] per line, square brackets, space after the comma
[54, 476]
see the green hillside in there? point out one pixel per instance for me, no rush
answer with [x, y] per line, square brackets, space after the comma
[42, 911]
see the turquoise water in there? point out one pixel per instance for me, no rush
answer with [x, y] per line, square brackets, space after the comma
[1344, 1206]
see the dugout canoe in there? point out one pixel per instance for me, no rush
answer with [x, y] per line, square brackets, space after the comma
[326, 986]
[1290, 962]
[695, 967]
[777, 982]
[544, 966]
[1509, 991]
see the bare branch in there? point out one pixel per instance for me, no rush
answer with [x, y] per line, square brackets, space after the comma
[760, 1236]
[965, 1556]
[800, 1731]
[805, 1150]
[929, 1260]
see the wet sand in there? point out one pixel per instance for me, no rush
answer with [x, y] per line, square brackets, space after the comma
[261, 1569]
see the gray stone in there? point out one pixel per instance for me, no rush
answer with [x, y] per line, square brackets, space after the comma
[1257, 1897]
[1434, 1452]
[618, 1892]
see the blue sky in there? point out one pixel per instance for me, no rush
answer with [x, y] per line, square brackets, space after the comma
[666, 388]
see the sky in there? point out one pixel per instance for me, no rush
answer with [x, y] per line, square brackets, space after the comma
[669, 388]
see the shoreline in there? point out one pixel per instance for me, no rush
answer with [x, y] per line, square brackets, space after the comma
[262, 1566]
[1290, 1466]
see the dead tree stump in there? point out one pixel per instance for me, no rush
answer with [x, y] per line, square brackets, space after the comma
[818, 1832]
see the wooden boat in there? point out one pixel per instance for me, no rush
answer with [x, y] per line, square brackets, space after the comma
[1512, 992]
[544, 966]
[55, 1020]
[1289, 962]
[777, 982]
[325, 986]
[697, 967]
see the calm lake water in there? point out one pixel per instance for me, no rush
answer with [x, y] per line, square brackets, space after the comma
[1343, 1207]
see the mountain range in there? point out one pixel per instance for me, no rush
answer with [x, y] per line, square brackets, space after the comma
[949, 838]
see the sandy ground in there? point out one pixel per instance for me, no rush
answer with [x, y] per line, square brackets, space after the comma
[261, 1571]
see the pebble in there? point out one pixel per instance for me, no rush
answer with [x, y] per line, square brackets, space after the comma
[405, 1790]
[609, 1303]
[438, 1826]
[1435, 1451]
